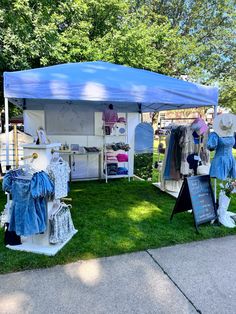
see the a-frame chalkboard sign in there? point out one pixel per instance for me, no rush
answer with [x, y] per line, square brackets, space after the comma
[196, 194]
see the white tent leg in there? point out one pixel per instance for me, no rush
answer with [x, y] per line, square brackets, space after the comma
[215, 196]
[7, 131]
[7, 143]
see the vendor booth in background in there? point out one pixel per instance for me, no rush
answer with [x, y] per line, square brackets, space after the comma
[68, 103]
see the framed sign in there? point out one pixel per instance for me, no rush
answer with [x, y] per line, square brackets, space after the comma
[196, 193]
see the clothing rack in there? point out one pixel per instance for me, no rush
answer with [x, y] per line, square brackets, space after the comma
[40, 243]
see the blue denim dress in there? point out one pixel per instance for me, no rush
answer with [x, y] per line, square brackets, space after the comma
[29, 208]
[223, 165]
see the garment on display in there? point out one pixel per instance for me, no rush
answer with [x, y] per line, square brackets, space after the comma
[29, 194]
[122, 170]
[223, 165]
[199, 126]
[110, 117]
[10, 237]
[193, 161]
[112, 168]
[122, 157]
[183, 154]
[61, 224]
[59, 172]
[174, 154]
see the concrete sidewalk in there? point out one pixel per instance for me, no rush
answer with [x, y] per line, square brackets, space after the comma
[191, 278]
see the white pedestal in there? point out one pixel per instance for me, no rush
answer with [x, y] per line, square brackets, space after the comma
[47, 249]
[39, 243]
[44, 152]
[158, 185]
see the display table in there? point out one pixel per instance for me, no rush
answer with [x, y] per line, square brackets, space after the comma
[78, 169]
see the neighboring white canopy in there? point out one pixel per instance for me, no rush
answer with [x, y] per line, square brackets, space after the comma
[96, 83]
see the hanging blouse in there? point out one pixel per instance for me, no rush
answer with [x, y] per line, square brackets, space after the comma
[223, 165]
[59, 172]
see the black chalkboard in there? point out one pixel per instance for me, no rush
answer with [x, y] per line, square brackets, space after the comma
[196, 194]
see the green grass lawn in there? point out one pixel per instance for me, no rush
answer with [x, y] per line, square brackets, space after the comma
[115, 218]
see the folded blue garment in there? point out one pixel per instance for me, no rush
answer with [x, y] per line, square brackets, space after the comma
[122, 170]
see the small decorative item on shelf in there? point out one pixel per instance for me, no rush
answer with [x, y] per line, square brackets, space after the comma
[64, 147]
[119, 128]
[224, 201]
[41, 137]
[75, 147]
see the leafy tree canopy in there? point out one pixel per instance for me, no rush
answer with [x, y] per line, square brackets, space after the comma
[173, 37]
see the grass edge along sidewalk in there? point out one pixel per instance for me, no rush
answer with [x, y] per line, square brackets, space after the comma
[115, 218]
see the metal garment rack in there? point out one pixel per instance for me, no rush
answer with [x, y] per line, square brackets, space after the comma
[164, 135]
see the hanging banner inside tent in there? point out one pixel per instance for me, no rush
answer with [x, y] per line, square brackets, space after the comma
[33, 119]
[68, 119]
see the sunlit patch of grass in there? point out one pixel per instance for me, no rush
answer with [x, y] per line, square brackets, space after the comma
[115, 218]
[143, 211]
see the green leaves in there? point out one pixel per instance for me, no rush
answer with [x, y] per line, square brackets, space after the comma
[173, 37]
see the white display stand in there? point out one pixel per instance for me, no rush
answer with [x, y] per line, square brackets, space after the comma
[158, 185]
[40, 243]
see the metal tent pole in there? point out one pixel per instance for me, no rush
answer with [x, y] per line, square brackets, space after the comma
[7, 132]
[215, 196]
[7, 143]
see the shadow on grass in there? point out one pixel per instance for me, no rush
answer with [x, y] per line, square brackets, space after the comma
[115, 218]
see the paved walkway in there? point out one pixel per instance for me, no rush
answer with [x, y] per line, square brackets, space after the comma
[198, 277]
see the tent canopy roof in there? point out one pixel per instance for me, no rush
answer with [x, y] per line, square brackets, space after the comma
[106, 82]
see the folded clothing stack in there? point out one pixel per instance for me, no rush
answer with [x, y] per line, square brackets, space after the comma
[112, 169]
[118, 146]
[122, 170]
[111, 157]
[122, 157]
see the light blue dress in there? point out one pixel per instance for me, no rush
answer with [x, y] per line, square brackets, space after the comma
[28, 208]
[223, 165]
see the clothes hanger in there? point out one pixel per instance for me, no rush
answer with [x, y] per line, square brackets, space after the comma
[55, 208]
[28, 171]
[56, 158]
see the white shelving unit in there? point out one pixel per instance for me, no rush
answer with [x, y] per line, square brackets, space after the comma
[115, 137]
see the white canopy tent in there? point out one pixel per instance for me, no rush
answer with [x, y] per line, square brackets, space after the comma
[93, 84]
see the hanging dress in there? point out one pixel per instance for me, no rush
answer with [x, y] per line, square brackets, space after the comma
[223, 165]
